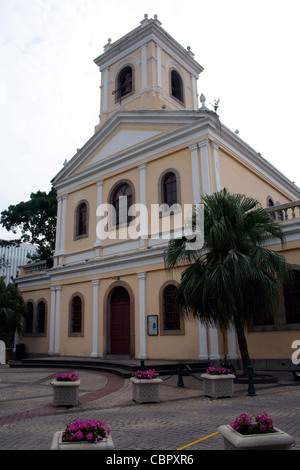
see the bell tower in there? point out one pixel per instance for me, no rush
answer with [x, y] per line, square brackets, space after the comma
[147, 70]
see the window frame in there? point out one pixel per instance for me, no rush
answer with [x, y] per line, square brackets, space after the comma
[35, 318]
[71, 314]
[178, 75]
[118, 97]
[163, 330]
[112, 222]
[77, 234]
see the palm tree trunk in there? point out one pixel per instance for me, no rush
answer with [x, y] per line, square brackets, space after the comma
[242, 342]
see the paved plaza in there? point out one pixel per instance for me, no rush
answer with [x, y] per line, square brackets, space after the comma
[184, 419]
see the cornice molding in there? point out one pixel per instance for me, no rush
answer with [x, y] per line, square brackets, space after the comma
[140, 37]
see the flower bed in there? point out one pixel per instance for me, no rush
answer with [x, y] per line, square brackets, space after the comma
[218, 382]
[72, 377]
[65, 389]
[145, 374]
[262, 424]
[83, 435]
[90, 430]
[217, 371]
[145, 386]
[244, 434]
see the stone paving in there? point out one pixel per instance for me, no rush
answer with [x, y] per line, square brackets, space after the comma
[185, 418]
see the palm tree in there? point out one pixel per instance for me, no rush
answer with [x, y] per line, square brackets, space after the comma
[234, 278]
[12, 311]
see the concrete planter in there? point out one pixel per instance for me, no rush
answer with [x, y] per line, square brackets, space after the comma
[217, 386]
[65, 393]
[58, 444]
[145, 390]
[233, 440]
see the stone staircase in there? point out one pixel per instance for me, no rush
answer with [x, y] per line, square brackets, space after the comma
[124, 367]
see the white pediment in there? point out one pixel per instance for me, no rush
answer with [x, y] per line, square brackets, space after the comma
[122, 141]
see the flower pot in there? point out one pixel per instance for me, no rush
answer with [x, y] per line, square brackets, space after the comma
[58, 444]
[217, 386]
[233, 440]
[145, 390]
[65, 393]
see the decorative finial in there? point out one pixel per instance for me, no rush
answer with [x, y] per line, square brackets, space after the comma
[108, 45]
[145, 16]
[202, 100]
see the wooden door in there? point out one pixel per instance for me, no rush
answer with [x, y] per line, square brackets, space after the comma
[120, 322]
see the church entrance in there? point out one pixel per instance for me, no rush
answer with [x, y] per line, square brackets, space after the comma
[120, 322]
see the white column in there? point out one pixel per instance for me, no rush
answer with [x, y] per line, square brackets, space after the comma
[58, 225]
[231, 342]
[203, 145]
[105, 90]
[203, 341]
[95, 283]
[57, 320]
[143, 205]
[214, 346]
[52, 320]
[195, 173]
[142, 315]
[195, 97]
[215, 147]
[144, 68]
[158, 64]
[99, 203]
[63, 223]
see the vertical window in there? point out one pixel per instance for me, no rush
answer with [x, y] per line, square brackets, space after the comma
[171, 316]
[41, 317]
[76, 315]
[292, 299]
[81, 220]
[170, 189]
[122, 201]
[29, 318]
[124, 83]
[176, 86]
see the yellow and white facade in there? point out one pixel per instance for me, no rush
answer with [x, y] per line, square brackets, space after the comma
[108, 293]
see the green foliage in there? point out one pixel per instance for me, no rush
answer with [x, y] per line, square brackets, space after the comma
[36, 219]
[13, 311]
[234, 278]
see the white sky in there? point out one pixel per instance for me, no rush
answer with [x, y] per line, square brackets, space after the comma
[49, 84]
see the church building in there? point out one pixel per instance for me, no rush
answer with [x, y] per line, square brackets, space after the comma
[156, 150]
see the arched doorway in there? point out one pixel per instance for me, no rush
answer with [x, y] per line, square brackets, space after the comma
[120, 321]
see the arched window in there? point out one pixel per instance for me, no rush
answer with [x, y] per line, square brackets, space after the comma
[81, 224]
[76, 315]
[121, 201]
[292, 299]
[176, 86]
[29, 318]
[124, 82]
[169, 189]
[171, 316]
[41, 317]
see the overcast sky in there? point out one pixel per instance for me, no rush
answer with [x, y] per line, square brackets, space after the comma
[49, 84]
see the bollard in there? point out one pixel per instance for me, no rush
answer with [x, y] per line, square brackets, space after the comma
[251, 389]
[180, 379]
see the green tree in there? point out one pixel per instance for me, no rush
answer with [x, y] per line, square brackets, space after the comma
[13, 311]
[36, 219]
[234, 278]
